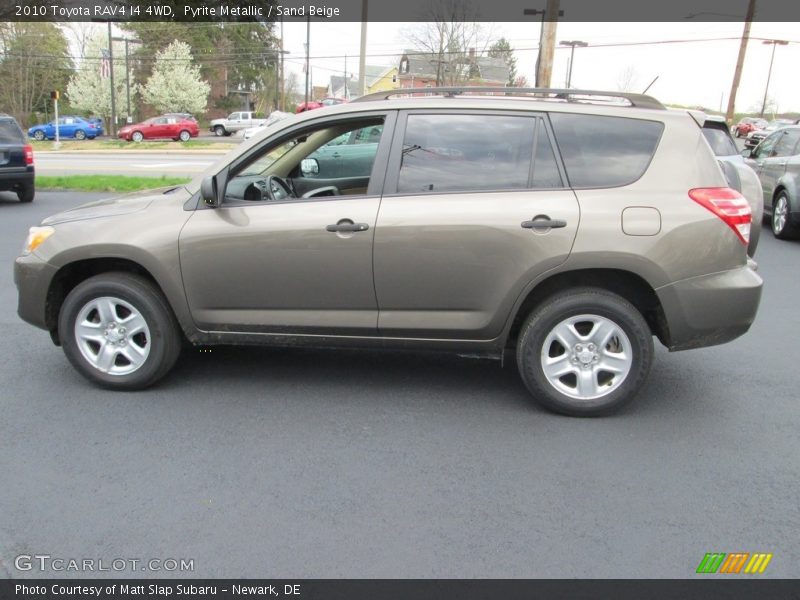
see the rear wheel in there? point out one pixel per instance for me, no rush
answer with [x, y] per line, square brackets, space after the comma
[782, 227]
[118, 331]
[584, 352]
[80, 135]
[26, 193]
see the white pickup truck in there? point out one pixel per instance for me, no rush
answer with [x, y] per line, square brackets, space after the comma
[234, 122]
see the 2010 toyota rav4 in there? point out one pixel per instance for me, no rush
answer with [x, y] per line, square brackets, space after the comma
[569, 227]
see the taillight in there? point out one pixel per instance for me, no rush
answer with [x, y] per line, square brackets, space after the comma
[729, 205]
[28, 154]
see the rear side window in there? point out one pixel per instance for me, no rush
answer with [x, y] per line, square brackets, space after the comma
[446, 153]
[601, 151]
[720, 141]
[10, 133]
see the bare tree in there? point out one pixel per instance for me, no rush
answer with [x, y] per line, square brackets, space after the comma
[81, 33]
[628, 79]
[448, 38]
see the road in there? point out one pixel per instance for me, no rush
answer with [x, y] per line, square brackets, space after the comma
[148, 163]
[300, 463]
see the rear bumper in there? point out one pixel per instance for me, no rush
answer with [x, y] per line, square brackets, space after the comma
[11, 178]
[710, 309]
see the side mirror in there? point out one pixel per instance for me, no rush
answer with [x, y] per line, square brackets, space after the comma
[747, 152]
[309, 166]
[208, 192]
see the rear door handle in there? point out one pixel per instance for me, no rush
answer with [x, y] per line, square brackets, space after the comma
[347, 227]
[543, 222]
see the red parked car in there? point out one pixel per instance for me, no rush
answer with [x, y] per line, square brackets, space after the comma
[747, 125]
[167, 126]
[303, 106]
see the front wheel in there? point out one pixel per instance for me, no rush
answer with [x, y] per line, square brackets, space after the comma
[38, 136]
[118, 331]
[782, 227]
[184, 136]
[137, 136]
[219, 131]
[584, 352]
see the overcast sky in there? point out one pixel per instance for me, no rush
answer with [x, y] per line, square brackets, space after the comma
[692, 73]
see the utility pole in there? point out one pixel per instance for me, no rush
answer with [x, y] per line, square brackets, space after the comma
[547, 50]
[127, 41]
[362, 57]
[111, 77]
[547, 40]
[737, 74]
[772, 43]
[308, 48]
[283, 91]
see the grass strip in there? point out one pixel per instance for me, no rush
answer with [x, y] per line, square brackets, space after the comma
[104, 183]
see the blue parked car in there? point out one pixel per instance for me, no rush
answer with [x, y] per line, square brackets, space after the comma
[68, 127]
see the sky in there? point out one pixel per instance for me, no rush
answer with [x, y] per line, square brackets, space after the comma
[691, 73]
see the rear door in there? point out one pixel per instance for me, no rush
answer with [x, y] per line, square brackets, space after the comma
[461, 227]
[12, 141]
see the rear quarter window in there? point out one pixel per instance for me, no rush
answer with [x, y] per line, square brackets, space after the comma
[10, 133]
[600, 151]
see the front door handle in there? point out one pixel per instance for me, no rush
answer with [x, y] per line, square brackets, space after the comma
[347, 227]
[543, 222]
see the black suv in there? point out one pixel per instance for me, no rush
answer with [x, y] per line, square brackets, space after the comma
[16, 160]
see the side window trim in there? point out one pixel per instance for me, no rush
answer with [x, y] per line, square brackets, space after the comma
[396, 153]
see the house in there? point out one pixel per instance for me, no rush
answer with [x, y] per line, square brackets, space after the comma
[422, 69]
[377, 79]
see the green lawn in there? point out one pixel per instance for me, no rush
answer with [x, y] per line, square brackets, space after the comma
[110, 144]
[105, 183]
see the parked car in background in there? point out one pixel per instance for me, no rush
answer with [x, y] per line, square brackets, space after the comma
[274, 117]
[776, 161]
[313, 104]
[170, 127]
[68, 127]
[236, 121]
[566, 234]
[740, 175]
[98, 124]
[748, 124]
[16, 160]
[754, 137]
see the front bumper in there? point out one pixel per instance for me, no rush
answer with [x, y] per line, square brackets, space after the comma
[33, 277]
[710, 309]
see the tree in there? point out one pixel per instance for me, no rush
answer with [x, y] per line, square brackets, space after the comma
[449, 37]
[627, 79]
[89, 92]
[502, 49]
[34, 60]
[176, 84]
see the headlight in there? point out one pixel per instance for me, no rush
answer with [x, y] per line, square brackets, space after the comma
[36, 235]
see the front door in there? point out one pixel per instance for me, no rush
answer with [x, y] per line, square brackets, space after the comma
[273, 262]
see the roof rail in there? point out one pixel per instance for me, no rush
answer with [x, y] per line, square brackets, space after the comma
[568, 95]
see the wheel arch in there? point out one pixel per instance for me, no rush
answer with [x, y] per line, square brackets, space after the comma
[72, 274]
[627, 284]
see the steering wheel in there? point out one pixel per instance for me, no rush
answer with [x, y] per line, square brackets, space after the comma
[276, 188]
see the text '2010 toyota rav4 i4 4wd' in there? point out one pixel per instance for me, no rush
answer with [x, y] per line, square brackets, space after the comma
[568, 226]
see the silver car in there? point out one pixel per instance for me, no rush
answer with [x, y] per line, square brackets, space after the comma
[565, 228]
[776, 161]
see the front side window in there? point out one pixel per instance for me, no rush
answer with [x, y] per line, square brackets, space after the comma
[765, 148]
[325, 161]
[787, 143]
[447, 153]
[600, 151]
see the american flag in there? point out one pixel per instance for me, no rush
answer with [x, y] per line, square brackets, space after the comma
[105, 63]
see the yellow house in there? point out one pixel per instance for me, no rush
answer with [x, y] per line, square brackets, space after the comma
[381, 78]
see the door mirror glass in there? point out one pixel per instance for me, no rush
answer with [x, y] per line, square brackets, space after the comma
[747, 153]
[208, 192]
[309, 166]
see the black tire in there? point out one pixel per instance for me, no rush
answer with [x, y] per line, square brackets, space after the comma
[600, 304]
[781, 219]
[164, 335]
[26, 193]
[38, 135]
[80, 134]
[219, 131]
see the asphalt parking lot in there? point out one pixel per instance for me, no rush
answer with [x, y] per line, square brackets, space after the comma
[299, 463]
